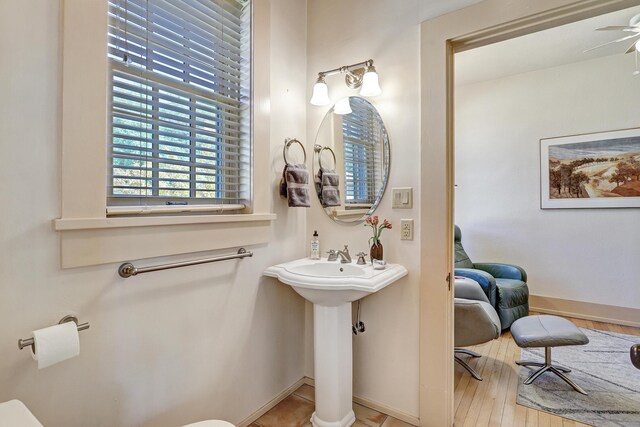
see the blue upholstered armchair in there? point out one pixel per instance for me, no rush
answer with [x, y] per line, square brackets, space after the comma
[504, 284]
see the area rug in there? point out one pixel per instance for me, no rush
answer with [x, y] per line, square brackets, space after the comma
[602, 368]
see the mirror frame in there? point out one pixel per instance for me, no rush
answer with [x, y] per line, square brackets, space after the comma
[386, 163]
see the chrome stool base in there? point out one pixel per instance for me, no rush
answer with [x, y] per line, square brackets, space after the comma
[464, 364]
[547, 366]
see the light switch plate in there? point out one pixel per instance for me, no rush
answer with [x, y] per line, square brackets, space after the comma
[402, 198]
[406, 229]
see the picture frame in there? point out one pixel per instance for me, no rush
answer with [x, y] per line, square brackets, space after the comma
[595, 170]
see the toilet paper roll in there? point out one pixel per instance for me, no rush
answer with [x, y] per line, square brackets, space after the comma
[55, 344]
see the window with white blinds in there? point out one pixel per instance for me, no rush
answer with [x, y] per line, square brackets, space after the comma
[362, 136]
[179, 98]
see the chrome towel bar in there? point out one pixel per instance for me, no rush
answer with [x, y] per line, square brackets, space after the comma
[29, 341]
[127, 269]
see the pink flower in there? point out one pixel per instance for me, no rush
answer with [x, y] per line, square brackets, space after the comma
[377, 230]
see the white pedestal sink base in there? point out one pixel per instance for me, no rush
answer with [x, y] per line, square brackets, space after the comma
[331, 286]
[333, 364]
[349, 419]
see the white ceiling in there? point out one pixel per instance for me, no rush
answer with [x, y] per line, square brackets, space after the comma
[546, 49]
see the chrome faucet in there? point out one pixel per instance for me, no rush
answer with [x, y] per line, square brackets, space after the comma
[344, 255]
[361, 260]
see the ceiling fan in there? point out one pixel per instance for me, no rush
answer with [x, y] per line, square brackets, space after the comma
[633, 28]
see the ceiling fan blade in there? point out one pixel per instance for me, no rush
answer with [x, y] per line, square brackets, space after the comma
[632, 48]
[626, 38]
[614, 41]
[619, 28]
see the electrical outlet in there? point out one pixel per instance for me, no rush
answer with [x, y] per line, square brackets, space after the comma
[406, 229]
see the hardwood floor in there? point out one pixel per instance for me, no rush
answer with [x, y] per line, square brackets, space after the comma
[492, 402]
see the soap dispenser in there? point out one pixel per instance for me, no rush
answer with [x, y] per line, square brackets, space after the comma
[315, 246]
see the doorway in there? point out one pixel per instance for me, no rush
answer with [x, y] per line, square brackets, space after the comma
[478, 25]
[509, 96]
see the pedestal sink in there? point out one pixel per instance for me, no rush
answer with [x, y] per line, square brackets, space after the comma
[331, 287]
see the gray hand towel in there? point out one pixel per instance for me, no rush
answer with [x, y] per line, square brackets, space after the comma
[330, 182]
[294, 185]
[317, 180]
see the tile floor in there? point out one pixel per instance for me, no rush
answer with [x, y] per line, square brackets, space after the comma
[296, 410]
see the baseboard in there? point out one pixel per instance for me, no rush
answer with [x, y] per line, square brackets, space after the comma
[626, 316]
[273, 402]
[376, 406]
[387, 410]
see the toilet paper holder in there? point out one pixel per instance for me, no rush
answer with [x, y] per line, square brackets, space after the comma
[29, 341]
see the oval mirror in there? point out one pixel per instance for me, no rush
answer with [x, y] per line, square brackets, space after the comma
[351, 160]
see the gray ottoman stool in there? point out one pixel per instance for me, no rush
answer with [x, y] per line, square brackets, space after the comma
[547, 332]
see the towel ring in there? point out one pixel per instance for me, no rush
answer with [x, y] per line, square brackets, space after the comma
[287, 143]
[319, 150]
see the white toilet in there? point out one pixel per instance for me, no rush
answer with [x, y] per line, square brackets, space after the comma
[14, 414]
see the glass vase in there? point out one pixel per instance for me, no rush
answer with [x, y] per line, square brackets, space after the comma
[376, 251]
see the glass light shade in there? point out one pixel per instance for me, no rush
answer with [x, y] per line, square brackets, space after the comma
[370, 85]
[342, 107]
[320, 94]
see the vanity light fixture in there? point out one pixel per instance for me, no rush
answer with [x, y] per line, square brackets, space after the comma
[342, 107]
[370, 85]
[360, 75]
[320, 92]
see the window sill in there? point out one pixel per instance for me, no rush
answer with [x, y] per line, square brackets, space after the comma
[94, 241]
[64, 224]
[351, 212]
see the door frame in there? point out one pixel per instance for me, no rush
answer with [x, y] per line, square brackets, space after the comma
[484, 23]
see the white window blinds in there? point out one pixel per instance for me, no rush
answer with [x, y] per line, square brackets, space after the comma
[362, 136]
[179, 103]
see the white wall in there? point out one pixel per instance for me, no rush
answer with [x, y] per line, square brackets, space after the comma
[588, 255]
[166, 348]
[386, 355]
[386, 368]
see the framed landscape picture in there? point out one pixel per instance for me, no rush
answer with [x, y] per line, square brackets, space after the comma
[598, 170]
